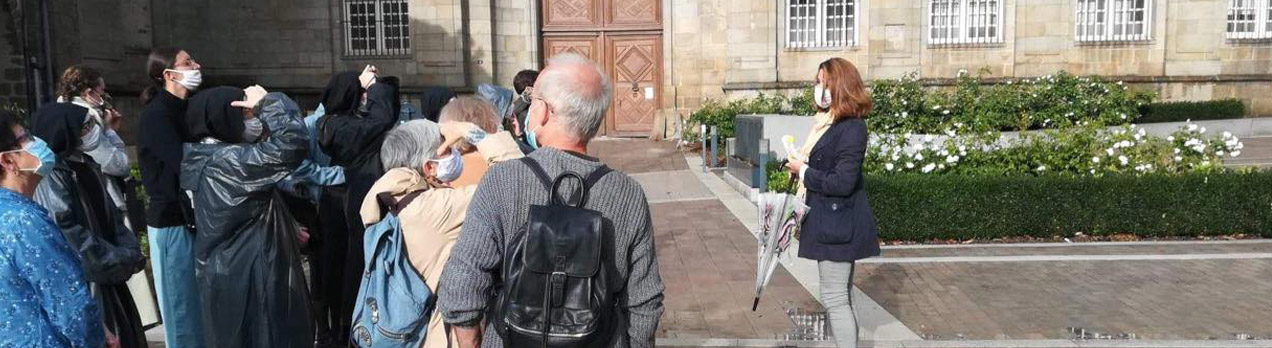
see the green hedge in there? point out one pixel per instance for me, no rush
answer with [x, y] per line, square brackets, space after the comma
[1191, 110]
[928, 207]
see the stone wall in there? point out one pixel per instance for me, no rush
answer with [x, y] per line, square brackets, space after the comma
[1188, 57]
[12, 75]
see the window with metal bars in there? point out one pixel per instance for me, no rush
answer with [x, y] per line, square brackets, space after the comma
[1249, 19]
[377, 28]
[1113, 20]
[953, 22]
[821, 23]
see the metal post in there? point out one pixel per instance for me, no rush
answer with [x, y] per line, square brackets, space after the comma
[703, 134]
[715, 134]
[759, 178]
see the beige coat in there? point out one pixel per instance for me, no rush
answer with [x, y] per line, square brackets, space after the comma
[432, 222]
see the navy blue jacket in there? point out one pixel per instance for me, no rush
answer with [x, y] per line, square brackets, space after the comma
[840, 225]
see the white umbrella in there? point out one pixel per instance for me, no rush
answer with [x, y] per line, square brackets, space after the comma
[780, 215]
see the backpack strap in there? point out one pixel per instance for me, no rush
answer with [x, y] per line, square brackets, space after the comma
[390, 205]
[538, 171]
[550, 184]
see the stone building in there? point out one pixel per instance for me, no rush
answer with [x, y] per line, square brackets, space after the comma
[665, 56]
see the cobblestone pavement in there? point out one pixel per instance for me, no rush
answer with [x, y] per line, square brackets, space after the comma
[1162, 299]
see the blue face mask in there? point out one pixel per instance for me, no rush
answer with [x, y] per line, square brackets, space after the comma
[530, 139]
[40, 150]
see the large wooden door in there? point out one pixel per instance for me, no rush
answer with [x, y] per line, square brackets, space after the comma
[625, 38]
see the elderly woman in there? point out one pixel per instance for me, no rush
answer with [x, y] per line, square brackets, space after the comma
[419, 158]
[49, 305]
[246, 254]
[75, 195]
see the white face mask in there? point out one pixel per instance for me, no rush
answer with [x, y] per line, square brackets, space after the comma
[252, 129]
[821, 96]
[449, 168]
[92, 140]
[190, 79]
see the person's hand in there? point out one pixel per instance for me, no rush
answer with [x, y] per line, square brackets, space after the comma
[252, 96]
[302, 235]
[794, 166]
[368, 76]
[452, 134]
[516, 126]
[111, 340]
[113, 118]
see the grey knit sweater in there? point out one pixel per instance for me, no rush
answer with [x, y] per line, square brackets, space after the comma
[498, 211]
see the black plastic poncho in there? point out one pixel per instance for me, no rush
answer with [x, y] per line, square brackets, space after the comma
[246, 252]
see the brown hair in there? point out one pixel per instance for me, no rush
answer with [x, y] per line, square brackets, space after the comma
[76, 79]
[160, 59]
[473, 110]
[847, 91]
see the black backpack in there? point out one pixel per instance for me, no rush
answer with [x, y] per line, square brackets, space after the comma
[556, 291]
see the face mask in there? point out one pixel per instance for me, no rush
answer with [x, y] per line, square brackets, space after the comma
[530, 139]
[821, 96]
[449, 168]
[90, 141]
[190, 79]
[252, 129]
[40, 150]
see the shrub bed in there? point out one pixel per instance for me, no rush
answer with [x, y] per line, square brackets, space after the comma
[1191, 110]
[928, 207]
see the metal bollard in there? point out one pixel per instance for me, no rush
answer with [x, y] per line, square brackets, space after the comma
[715, 135]
[704, 148]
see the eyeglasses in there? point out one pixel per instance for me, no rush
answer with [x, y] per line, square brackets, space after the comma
[529, 92]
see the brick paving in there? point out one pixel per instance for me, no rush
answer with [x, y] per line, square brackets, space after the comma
[1159, 299]
[707, 260]
[1097, 248]
[633, 156]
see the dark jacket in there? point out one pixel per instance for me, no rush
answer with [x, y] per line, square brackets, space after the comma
[840, 225]
[76, 198]
[246, 255]
[161, 134]
[353, 139]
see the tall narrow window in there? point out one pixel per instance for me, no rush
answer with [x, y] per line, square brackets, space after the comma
[377, 28]
[965, 22]
[821, 23]
[1249, 19]
[1113, 20]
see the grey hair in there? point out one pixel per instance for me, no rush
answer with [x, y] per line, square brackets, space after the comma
[572, 97]
[410, 145]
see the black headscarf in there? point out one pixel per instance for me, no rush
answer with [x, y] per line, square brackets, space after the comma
[60, 125]
[432, 100]
[343, 93]
[210, 114]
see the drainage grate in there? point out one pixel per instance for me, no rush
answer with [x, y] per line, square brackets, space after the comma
[808, 325]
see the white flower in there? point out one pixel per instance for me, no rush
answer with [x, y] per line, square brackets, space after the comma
[1203, 130]
[929, 167]
[953, 159]
[928, 138]
[941, 166]
[1119, 83]
[1219, 153]
[1177, 158]
[1205, 163]
[945, 112]
[905, 102]
[905, 113]
[1095, 159]
[1009, 82]
[1042, 168]
[938, 107]
[888, 166]
[1235, 153]
[909, 165]
[918, 157]
[1093, 171]
[943, 153]
[1227, 134]
[1170, 138]
[1109, 151]
[1120, 114]
[1192, 127]
[1123, 159]
[962, 72]
[1177, 150]
[896, 156]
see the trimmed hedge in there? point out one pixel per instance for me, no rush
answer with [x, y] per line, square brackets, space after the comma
[1191, 110]
[928, 207]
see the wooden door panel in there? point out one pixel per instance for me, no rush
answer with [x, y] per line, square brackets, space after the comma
[571, 14]
[636, 72]
[586, 45]
[642, 14]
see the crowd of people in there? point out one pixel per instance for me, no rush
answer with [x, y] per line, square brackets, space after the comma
[510, 233]
[241, 186]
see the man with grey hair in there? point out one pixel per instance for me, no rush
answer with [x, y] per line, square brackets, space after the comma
[569, 101]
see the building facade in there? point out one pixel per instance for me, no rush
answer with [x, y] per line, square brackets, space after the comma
[666, 57]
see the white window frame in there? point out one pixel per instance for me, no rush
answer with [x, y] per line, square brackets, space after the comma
[1101, 21]
[1259, 27]
[815, 31]
[382, 23]
[958, 17]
